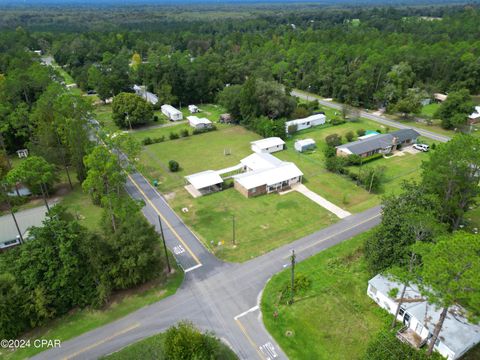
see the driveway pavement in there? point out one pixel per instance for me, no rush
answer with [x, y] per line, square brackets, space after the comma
[338, 211]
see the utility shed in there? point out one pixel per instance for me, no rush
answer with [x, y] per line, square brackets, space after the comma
[203, 183]
[171, 113]
[193, 109]
[199, 123]
[419, 317]
[268, 145]
[304, 145]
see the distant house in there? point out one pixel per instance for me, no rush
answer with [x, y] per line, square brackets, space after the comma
[268, 145]
[440, 97]
[305, 123]
[265, 174]
[148, 96]
[199, 123]
[419, 318]
[474, 117]
[171, 113]
[193, 109]
[304, 145]
[379, 144]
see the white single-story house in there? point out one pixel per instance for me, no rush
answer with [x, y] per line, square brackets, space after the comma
[440, 97]
[204, 182]
[193, 109]
[419, 317]
[305, 123]
[259, 161]
[171, 113]
[148, 96]
[268, 145]
[304, 145]
[474, 117]
[199, 123]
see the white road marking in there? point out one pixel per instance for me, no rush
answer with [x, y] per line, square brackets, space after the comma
[269, 350]
[255, 308]
[178, 250]
[192, 268]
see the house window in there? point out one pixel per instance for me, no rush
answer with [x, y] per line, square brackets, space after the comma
[419, 328]
[402, 311]
[373, 290]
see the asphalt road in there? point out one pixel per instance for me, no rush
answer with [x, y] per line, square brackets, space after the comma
[379, 119]
[217, 296]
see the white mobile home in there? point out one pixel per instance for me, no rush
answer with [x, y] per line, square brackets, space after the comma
[148, 96]
[305, 123]
[304, 145]
[172, 113]
[199, 123]
[419, 317]
[268, 145]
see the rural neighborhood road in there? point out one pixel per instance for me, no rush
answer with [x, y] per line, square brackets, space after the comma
[217, 296]
[379, 119]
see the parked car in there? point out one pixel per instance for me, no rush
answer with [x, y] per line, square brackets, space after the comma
[421, 147]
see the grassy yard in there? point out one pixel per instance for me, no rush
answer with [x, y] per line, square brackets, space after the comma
[334, 318]
[81, 206]
[261, 224]
[428, 111]
[81, 321]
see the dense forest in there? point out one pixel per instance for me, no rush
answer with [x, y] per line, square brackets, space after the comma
[369, 57]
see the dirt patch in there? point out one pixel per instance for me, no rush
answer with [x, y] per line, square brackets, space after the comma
[353, 257]
[170, 196]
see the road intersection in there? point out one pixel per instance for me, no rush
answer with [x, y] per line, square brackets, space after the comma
[216, 296]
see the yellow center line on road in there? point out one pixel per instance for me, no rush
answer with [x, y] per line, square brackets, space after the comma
[165, 220]
[336, 234]
[249, 339]
[121, 332]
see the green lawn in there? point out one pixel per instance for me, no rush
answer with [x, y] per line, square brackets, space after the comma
[81, 321]
[428, 111]
[156, 132]
[334, 318]
[261, 224]
[81, 206]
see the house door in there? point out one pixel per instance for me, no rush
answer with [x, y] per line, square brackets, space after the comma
[406, 319]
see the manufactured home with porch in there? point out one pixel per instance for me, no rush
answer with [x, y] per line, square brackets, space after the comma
[419, 318]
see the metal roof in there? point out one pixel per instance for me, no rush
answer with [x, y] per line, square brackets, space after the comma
[204, 179]
[257, 161]
[268, 142]
[194, 120]
[457, 333]
[283, 172]
[25, 219]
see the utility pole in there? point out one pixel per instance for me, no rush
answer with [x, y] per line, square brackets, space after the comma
[233, 230]
[371, 182]
[292, 293]
[13, 215]
[164, 245]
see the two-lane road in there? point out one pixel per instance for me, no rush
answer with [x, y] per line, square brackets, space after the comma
[217, 296]
[379, 119]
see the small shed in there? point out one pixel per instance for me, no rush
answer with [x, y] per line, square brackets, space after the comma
[22, 153]
[268, 145]
[171, 113]
[440, 97]
[305, 144]
[193, 109]
[225, 118]
[199, 123]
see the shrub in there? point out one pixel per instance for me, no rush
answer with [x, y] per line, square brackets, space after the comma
[173, 136]
[184, 133]
[335, 164]
[329, 152]
[433, 146]
[379, 131]
[337, 121]
[173, 166]
[333, 140]
[229, 183]
[360, 132]
[354, 159]
[155, 118]
[159, 139]
[349, 136]
[147, 141]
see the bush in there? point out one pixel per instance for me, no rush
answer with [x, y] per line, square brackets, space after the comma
[433, 146]
[159, 139]
[337, 121]
[379, 131]
[147, 141]
[360, 132]
[173, 136]
[184, 133]
[173, 165]
[335, 164]
[333, 140]
[354, 159]
[329, 152]
[229, 183]
[349, 136]
[155, 118]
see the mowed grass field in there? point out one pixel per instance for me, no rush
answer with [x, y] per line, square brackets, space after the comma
[334, 318]
[261, 223]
